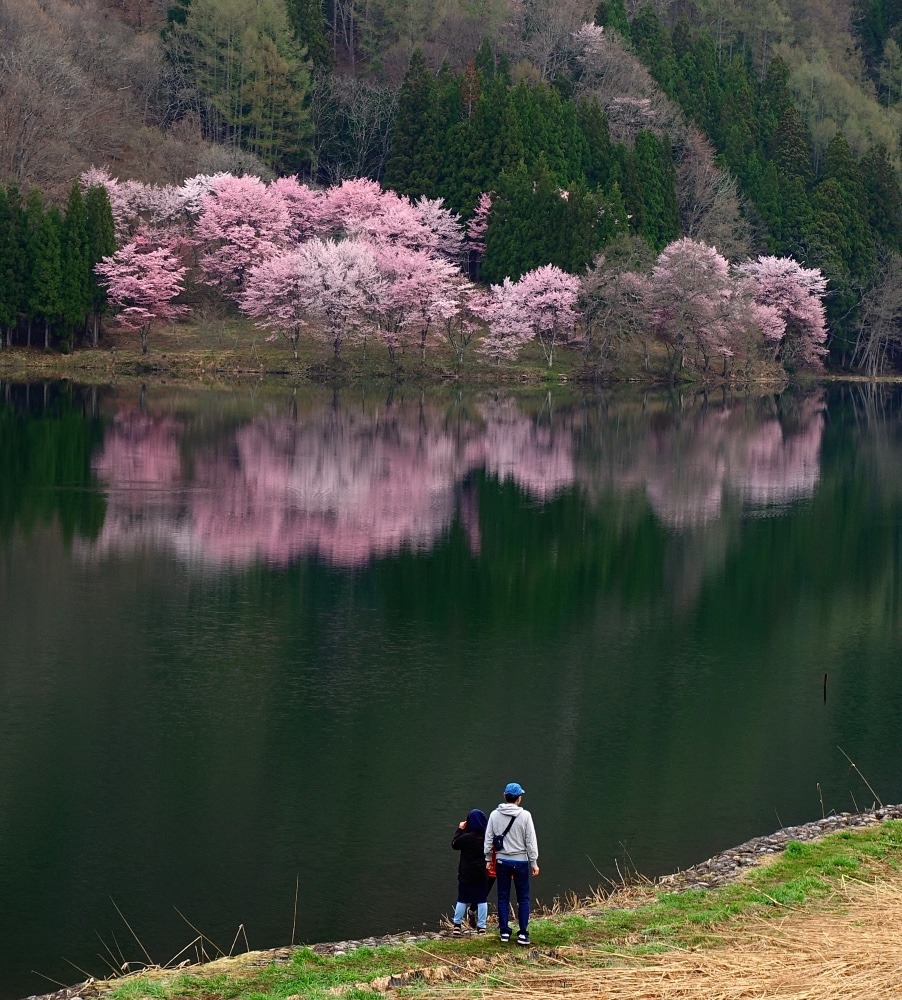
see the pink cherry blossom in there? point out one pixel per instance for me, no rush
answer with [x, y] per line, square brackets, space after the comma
[542, 304]
[418, 293]
[478, 226]
[277, 293]
[796, 293]
[142, 279]
[307, 208]
[242, 222]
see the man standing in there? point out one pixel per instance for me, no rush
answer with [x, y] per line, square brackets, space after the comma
[511, 832]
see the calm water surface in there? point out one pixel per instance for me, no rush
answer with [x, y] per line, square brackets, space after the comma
[249, 638]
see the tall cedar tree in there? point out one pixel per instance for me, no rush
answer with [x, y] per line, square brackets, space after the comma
[612, 14]
[411, 167]
[10, 259]
[76, 277]
[660, 213]
[101, 237]
[309, 23]
[45, 302]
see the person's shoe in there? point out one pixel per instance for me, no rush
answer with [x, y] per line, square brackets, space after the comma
[504, 936]
[455, 932]
[471, 916]
[480, 930]
[523, 938]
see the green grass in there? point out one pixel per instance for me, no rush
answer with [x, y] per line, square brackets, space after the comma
[233, 348]
[801, 875]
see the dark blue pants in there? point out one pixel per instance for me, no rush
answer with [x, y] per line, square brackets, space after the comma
[519, 872]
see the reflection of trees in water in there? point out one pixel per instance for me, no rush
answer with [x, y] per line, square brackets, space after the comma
[688, 459]
[348, 484]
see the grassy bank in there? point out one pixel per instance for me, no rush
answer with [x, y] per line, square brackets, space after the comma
[234, 349]
[633, 943]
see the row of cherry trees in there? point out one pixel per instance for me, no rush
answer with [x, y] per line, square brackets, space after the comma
[356, 263]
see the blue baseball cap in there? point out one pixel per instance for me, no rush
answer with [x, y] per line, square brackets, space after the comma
[514, 788]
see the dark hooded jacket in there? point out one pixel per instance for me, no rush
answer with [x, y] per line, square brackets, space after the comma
[469, 841]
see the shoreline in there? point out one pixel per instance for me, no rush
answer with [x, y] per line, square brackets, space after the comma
[726, 867]
[240, 366]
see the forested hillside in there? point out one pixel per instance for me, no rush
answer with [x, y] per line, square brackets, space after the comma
[772, 127]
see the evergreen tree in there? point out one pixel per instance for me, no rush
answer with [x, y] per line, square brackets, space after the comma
[309, 24]
[791, 151]
[737, 133]
[9, 267]
[597, 154]
[485, 63]
[660, 214]
[883, 196]
[699, 87]
[413, 162]
[45, 301]
[612, 14]
[34, 220]
[101, 242]
[250, 72]
[842, 167]
[653, 45]
[535, 222]
[774, 99]
[75, 285]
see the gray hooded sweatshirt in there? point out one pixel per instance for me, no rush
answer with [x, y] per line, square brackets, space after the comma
[520, 843]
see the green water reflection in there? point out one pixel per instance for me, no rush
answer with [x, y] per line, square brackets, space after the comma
[253, 636]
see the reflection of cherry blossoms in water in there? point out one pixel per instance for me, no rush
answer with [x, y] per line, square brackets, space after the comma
[779, 466]
[537, 456]
[689, 465]
[351, 485]
[141, 457]
[344, 490]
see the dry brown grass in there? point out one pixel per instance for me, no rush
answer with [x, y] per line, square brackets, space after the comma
[849, 949]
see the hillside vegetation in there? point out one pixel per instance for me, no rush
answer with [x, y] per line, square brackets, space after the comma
[771, 128]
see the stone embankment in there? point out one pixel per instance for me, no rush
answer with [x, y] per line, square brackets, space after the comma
[729, 865]
[719, 870]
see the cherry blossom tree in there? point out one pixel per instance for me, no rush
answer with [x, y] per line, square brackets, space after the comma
[277, 294]
[542, 305]
[342, 283]
[241, 222]
[461, 326]
[417, 293]
[477, 228]
[194, 189]
[548, 298]
[306, 208]
[694, 302]
[142, 279]
[508, 329]
[442, 232]
[793, 294]
[351, 201]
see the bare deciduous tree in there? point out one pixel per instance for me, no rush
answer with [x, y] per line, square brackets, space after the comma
[709, 199]
[880, 327]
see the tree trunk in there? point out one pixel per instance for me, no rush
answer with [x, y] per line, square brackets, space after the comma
[46, 334]
[144, 331]
[28, 335]
[96, 338]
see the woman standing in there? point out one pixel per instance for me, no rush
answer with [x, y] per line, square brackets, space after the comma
[473, 882]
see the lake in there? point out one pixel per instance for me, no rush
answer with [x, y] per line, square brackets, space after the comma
[260, 639]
